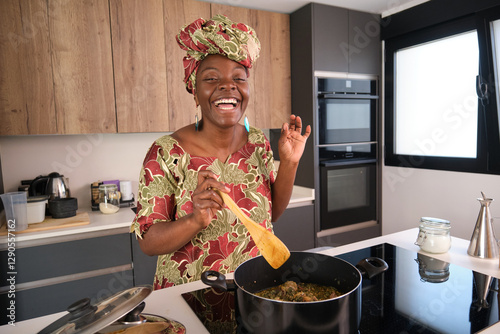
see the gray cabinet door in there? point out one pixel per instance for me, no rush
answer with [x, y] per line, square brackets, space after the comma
[345, 41]
[51, 277]
[364, 43]
[144, 265]
[331, 38]
[296, 228]
[67, 258]
[37, 302]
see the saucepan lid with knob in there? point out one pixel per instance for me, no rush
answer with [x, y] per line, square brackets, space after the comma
[117, 312]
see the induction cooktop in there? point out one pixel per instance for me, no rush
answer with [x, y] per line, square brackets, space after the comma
[417, 294]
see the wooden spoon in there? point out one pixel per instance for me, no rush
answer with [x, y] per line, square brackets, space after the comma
[271, 247]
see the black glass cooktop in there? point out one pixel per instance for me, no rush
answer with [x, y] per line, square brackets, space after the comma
[417, 294]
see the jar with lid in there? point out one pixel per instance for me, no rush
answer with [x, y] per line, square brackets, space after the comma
[434, 235]
[109, 198]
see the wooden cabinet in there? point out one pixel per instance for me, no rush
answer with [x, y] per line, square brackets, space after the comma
[270, 79]
[55, 67]
[26, 85]
[139, 65]
[73, 67]
[80, 42]
[177, 13]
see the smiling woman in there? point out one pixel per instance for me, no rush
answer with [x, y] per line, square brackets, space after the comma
[181, 217]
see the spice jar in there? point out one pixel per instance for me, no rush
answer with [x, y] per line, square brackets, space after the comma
[109, 198]
[434, 235]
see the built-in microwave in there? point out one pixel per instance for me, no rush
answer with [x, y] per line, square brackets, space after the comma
[347, 118]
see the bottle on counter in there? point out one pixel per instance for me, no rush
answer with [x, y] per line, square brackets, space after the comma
[434, 235]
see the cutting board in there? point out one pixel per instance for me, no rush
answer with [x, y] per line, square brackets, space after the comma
[50, 223]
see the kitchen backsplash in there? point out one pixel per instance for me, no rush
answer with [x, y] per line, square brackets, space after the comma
[82, 159]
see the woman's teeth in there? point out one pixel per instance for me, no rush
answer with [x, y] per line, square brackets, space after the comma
[226, 103]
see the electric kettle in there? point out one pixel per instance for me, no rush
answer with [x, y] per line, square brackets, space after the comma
[54, 185]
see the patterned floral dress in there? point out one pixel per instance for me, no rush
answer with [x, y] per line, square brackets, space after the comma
[168, 178]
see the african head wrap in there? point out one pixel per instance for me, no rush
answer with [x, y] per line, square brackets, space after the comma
[219, 35]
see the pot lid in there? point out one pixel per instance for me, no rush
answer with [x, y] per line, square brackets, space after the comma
[87, 318]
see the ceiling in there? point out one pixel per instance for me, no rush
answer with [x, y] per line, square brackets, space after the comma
[382, 7]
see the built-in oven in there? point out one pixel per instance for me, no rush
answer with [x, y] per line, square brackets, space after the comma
[348, 193]
[347, 118]
[347, 152]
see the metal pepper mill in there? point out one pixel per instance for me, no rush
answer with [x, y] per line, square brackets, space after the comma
[483, 243]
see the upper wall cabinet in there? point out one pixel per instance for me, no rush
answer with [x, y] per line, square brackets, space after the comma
[82, 64]
[270, 79]
[26, 85]
[139, 65]
[364, 48]
[344, 40]
[73, 67]
[181, 105]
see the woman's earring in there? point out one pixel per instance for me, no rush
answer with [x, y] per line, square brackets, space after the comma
[247, 125]
[196, 120]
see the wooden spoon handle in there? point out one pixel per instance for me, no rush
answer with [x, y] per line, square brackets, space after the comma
[271, 247]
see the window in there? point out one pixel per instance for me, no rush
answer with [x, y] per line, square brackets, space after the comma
[436, 99]
[495, 41]
[441, 99]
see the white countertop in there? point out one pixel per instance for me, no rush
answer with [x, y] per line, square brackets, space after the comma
[106, 224]
[169, 302]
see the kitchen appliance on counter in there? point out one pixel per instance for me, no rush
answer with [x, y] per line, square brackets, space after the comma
[397, 301]
[53, 185]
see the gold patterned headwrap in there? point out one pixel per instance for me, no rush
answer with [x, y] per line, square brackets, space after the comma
[219, 35]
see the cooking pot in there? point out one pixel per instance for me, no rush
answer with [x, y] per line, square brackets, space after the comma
[341, 314]
[116, 313]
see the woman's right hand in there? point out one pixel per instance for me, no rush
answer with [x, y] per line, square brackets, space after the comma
[206, 201]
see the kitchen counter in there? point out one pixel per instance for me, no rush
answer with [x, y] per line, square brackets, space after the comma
[169, 302]
[102, 224]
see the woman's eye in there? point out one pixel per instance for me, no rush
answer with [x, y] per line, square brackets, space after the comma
[240, 79]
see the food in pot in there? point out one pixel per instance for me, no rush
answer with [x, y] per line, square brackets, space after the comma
[291, 291]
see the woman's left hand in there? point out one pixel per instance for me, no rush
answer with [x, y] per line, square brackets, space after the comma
[292, 143]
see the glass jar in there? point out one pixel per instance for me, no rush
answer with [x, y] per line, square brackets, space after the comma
[109, 198]
[434, 235]
[432, 270]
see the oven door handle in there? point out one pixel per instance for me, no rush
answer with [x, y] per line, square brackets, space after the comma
[333, 163]
[327, 96]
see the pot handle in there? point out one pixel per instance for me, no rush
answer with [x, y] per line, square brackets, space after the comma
[218, 282]
[372, 266]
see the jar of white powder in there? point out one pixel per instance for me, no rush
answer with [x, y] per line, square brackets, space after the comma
[109, 198]
[434, 235]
